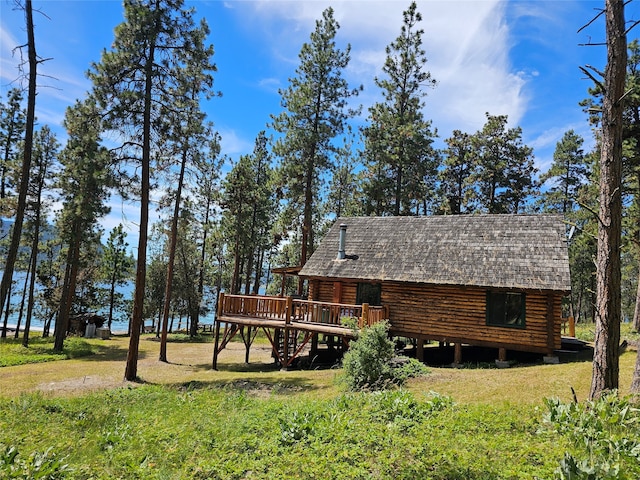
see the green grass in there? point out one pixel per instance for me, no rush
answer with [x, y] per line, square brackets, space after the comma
[156, 432]
[586, 332]
[41, 350]
[253, 421]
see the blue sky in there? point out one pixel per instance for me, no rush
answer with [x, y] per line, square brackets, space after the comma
[518, 58]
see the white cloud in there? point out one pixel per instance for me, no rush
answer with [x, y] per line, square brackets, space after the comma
[466, 43]
[271, 84]
[231, 143]
[9, 57]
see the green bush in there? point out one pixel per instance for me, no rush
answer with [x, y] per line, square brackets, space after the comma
[369, 364]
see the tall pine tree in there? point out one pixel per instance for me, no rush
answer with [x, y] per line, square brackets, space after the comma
[398, 140]
[85, 183]
[504, 168]
[316, 111]
[135, 83]
[455, 176]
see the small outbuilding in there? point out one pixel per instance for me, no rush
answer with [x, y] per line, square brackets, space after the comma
[484, 280]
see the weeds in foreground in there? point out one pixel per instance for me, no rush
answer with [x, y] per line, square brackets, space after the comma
[37, 466]
[153, 432]
[606, 436]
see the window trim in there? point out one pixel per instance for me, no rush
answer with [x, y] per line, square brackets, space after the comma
[491, 299]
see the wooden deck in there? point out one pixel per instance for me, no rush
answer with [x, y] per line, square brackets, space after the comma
[288, 323]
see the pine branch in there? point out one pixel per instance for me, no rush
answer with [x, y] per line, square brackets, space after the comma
[594, 79]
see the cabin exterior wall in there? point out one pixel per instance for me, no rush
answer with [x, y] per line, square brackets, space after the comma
[455, 314]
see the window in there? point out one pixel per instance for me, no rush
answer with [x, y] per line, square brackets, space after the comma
[368, 293]
[506, 309]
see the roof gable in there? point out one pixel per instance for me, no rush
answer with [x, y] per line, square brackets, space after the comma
[503, 251]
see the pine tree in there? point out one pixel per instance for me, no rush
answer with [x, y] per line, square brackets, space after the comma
[398, 140]
[84, 182]
[16, 229]
[117, 266]
[345, 196]
[45, 154]
[249, 208]
[455, 177]
[568, 174]
[155, 49]
[189, 133]
[315, 113]
[205, 192]
[12, 126]
[504, 175]
[608, 308]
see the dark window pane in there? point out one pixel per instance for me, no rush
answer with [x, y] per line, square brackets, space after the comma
[368, 293]
[506, 309]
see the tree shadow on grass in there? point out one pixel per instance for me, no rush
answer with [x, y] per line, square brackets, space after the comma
[109, 353]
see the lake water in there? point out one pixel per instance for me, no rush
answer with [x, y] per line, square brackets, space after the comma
[117, 326]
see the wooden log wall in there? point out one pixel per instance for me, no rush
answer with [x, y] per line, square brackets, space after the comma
[458, 315]
[323, 291]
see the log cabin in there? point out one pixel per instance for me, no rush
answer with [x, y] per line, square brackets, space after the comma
[484, 280]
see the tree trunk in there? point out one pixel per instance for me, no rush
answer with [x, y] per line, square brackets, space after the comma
[16, 232]
[34, 253]
[258, 276]
[7, 311]
[173, 240]
[203, 252]
[131, 369]
[112, 294]
[636, 311]
[396, 209]
[68, 288]
[635, 382]
[307, 220]
[24, 296]
[608, 302]
[34, 264]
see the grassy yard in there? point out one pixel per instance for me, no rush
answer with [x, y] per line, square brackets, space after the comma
[77, 418]
[40, 350]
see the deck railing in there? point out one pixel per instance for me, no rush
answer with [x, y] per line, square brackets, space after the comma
[304, 311]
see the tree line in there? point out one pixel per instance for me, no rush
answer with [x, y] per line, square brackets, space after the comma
[309, 166]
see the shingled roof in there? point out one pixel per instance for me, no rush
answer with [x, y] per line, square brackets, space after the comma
[526, 252]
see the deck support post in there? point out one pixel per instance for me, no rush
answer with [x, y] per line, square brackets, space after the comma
[420, 349]
[248, 340]
[502, 354]
[501, 361]
[285, 342]
[217, 330]
[457, 353]
[572, 327]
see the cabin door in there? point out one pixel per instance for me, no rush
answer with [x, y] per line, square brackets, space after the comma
[337, 292]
